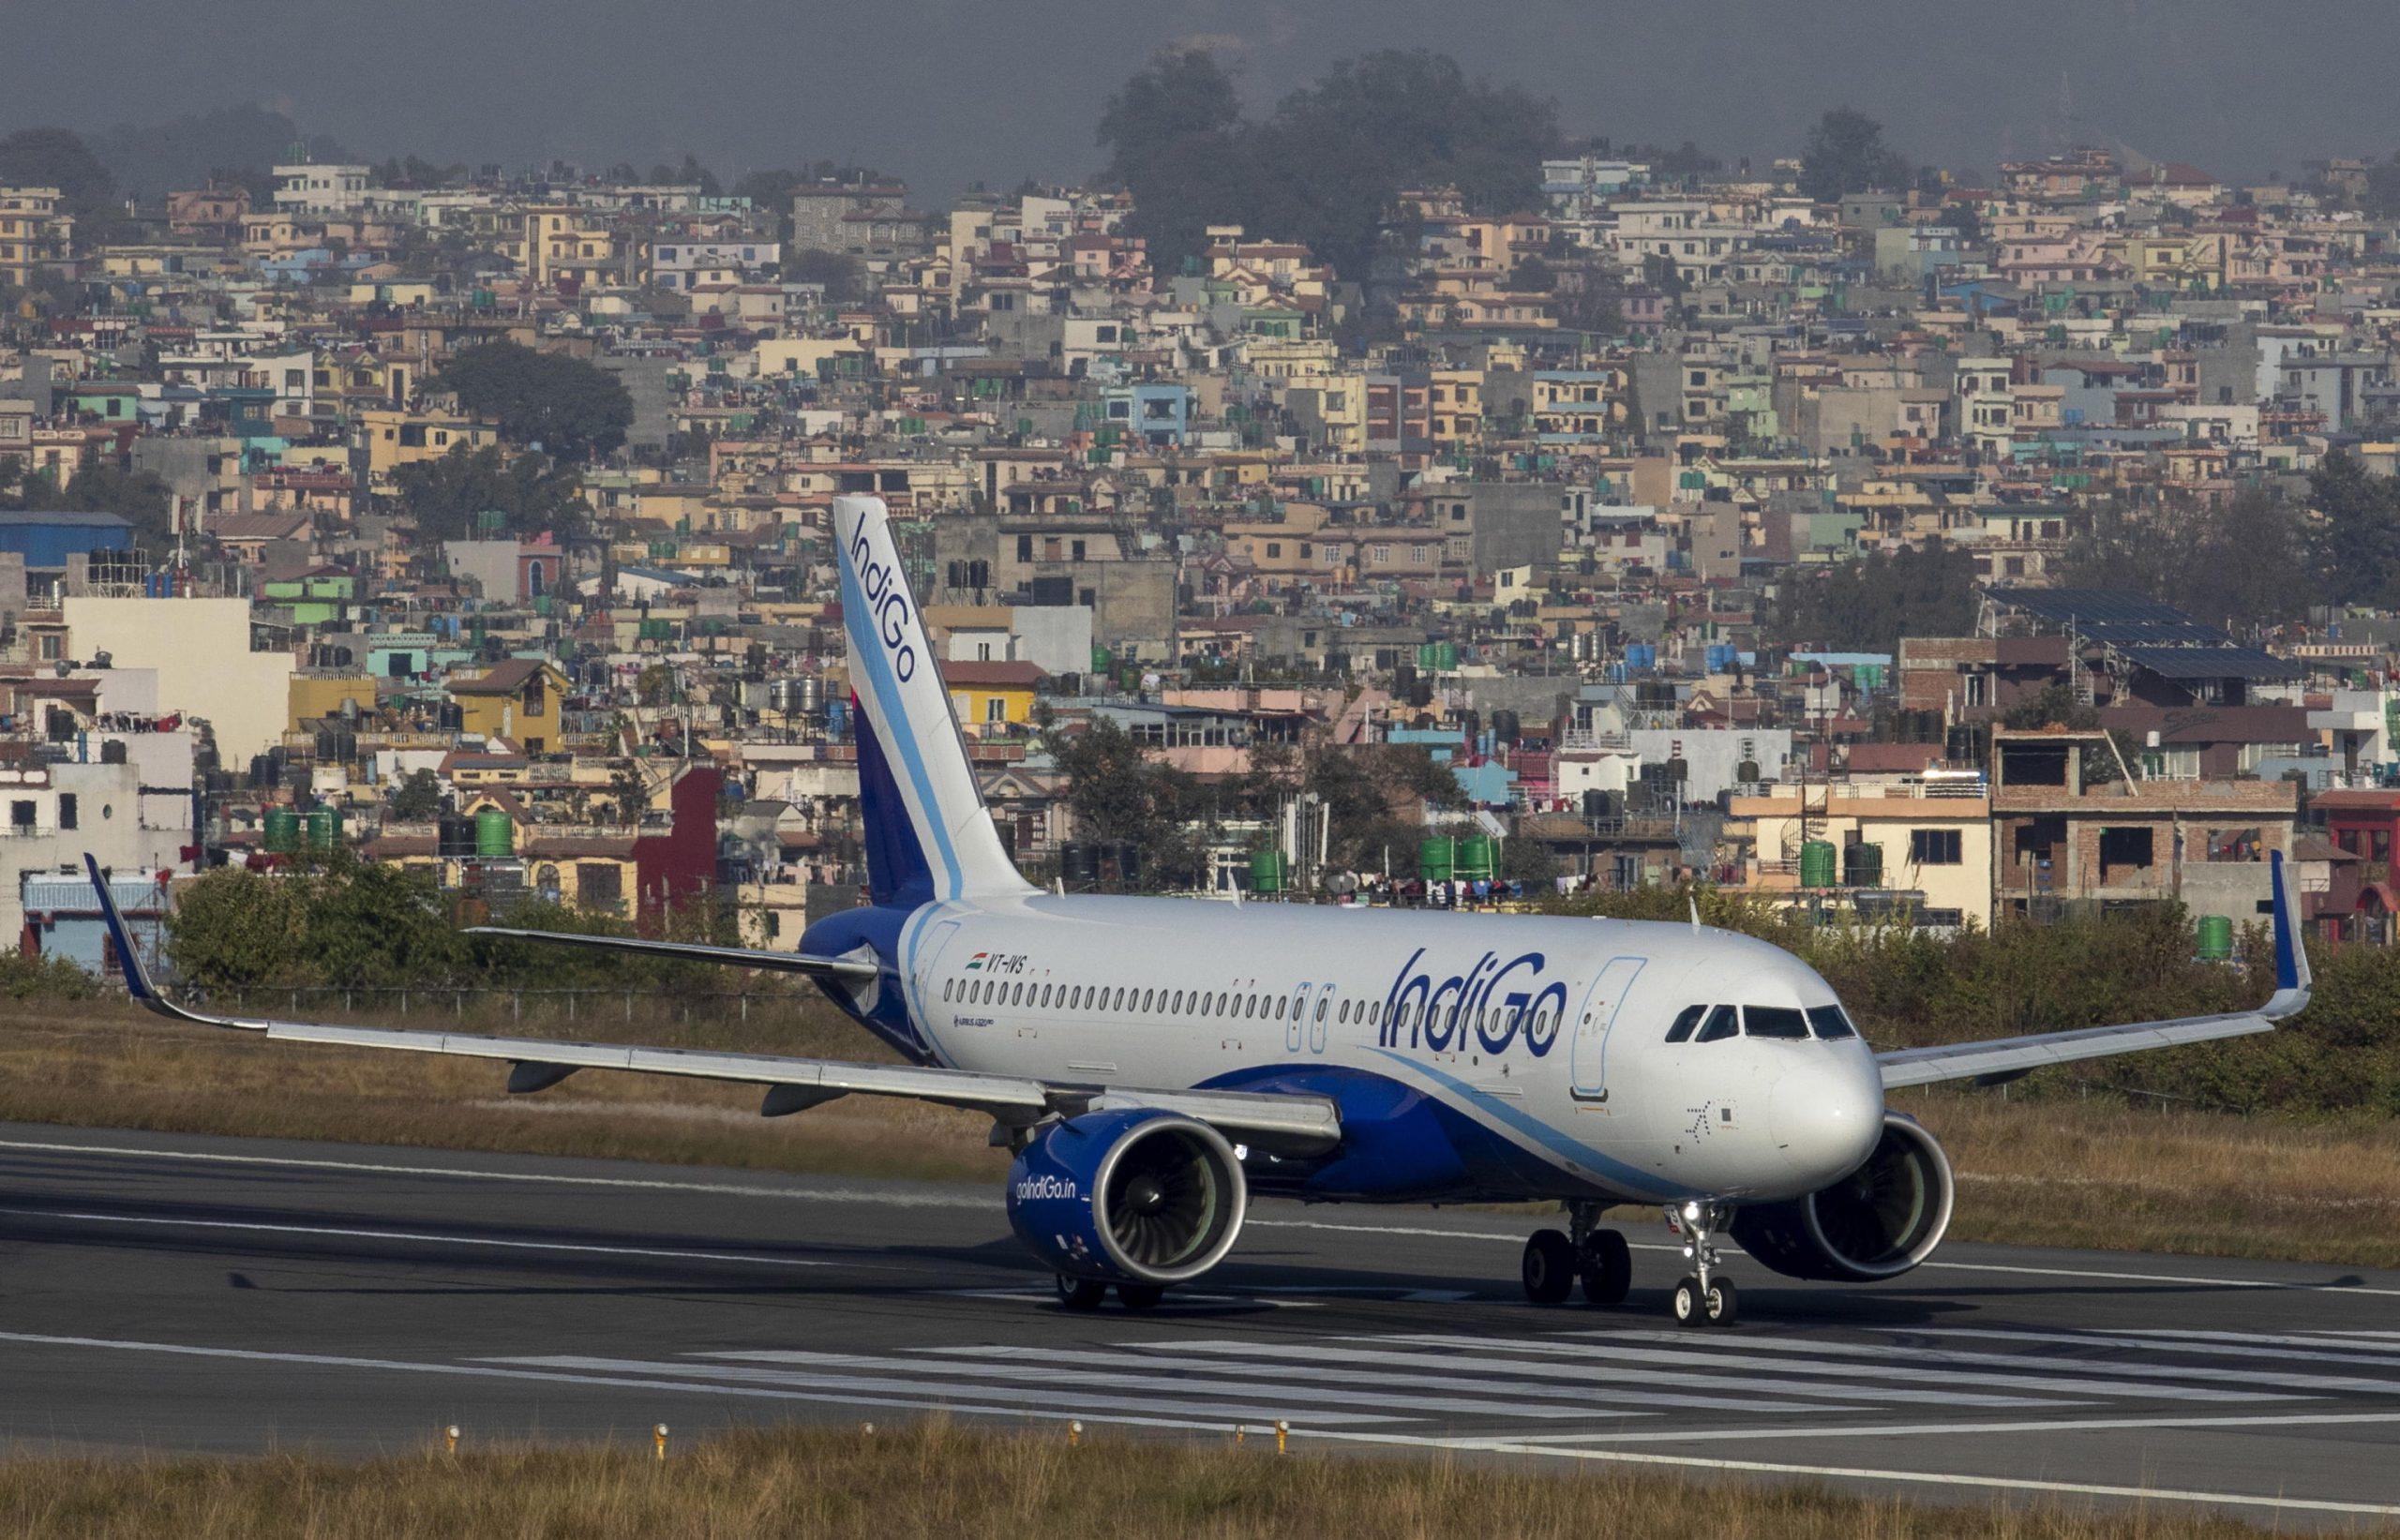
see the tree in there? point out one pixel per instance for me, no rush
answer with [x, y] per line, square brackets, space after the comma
[137, 496]
[55, 158]
[838, 270]
[531, 493]
[1173, 134]
[419, 798]
[1121, 795]
[564, 406]
[2241, 564]
[1870, 604]
[1846, 153]
[1327, 167]
[2355, 539]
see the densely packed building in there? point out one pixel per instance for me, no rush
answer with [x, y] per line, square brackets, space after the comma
[1526, 497]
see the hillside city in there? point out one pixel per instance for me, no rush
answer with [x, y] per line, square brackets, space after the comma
[1471, 527]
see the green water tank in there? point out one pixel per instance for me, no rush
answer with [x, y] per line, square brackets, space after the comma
[1861, 865]
[1475, 858]
[1267, 871]
[324, 828]
[495, 838]
[1817, 863]
[2216, 937]
[282, 830]
[1435, 859]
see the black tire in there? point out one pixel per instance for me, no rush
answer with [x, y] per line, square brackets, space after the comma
[1550, 1267]
[1690, 1308]
[1140, 1297]
[1607, 1267]
[1724, 1304]
[1081, 1294]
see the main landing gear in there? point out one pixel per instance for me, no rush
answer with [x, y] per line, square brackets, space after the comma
[1557, 1260]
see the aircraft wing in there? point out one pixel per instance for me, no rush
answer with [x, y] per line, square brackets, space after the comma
[771, 962]
[1997, 1060]
[1280, 1124]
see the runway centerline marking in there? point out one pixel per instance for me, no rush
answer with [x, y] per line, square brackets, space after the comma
[349, 1234]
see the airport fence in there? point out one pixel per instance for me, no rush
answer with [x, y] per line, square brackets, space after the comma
[598, 1005]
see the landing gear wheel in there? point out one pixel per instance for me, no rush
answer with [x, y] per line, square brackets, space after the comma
[1690, 1309]
[1140, 1297]
[1081, 1294]
[1550, 1267]
[1721, 1303]
[1607, 1267]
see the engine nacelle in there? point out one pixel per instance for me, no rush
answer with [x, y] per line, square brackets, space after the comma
[1879, 1222]
[1130, 1196]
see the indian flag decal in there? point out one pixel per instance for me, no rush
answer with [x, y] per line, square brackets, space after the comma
[976, 961]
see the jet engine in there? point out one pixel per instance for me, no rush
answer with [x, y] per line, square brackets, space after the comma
[1136, 1196]
[1877, 1222]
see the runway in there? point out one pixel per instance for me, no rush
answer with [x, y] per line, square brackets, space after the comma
[164, 1292]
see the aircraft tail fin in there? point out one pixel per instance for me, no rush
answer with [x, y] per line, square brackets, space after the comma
[928, 834]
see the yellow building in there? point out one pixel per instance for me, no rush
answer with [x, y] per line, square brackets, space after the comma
[317, 696]
[1923, 844]
[992, 697]
[518, 700]
[36, 239]
[395, 439]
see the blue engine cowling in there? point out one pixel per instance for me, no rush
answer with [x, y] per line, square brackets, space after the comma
[1130, 1196]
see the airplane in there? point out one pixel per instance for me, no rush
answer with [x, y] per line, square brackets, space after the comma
[1152, 1062]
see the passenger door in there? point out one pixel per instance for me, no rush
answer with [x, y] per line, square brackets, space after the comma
[1589, 1055]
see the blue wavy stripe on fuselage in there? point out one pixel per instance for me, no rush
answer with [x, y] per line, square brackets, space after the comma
[1407, 1144]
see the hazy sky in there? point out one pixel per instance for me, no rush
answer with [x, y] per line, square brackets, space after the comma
[945, 92]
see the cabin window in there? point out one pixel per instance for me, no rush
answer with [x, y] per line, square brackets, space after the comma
[1723, 1022]
[1281, 1004]
[1831, 1021]
[1775, 1022]
[947, 984]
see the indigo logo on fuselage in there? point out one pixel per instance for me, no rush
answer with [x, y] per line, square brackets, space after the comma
[888, 605]
[1492, 1003]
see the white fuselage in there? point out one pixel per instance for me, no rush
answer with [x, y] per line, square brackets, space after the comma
[1550, 1033]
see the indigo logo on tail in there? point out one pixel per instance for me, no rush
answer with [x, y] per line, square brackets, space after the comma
[889, 604]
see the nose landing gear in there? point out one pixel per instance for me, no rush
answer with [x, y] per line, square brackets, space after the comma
[1701, 1298]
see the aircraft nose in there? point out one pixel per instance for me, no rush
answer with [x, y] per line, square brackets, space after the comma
[1828, 1116]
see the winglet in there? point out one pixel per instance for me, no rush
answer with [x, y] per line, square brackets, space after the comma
[137, 977]
[2293, 978]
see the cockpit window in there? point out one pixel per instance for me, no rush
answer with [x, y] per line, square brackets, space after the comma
[1775, 1022]
[1831, 1021]
[1723, 1022]
[1681, 1031]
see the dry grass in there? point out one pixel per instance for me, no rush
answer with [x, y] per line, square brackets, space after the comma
[111, 1066]
[2053, 1173]
[935, 1479]
[2066, 1173]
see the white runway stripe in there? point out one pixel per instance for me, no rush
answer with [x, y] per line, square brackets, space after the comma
[2220, 1350]
[1678, 1348]
[1494, 1376]
[944, 1391]
[2345, 1343]
[1768, 1395]
[425, 1237]
[1157, 1375]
